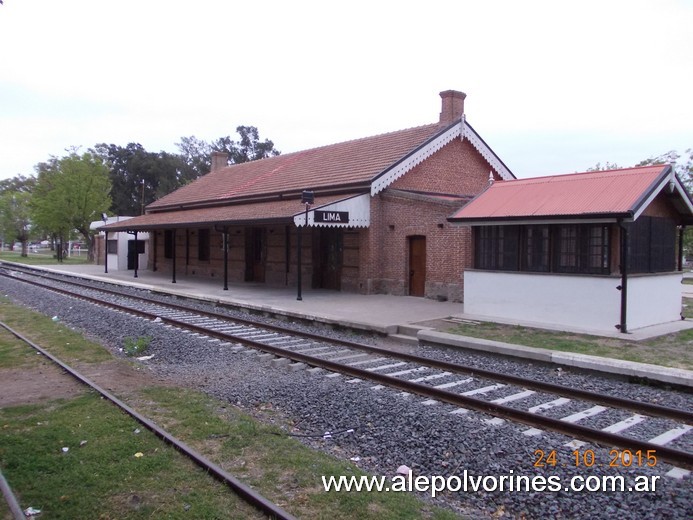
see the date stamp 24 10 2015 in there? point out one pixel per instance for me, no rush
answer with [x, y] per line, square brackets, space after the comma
[588, 458]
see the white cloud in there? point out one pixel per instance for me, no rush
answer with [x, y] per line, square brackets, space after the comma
[541, 76]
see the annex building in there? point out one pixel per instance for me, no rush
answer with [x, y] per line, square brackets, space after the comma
[378, 222]
[600, 250]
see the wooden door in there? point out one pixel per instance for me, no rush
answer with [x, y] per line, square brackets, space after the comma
[255, 254]
[417, 266]
[328, 246]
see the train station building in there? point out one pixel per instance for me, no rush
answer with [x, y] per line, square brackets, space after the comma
[367, 216]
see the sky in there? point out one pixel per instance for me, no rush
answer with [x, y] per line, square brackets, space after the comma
[552, 86]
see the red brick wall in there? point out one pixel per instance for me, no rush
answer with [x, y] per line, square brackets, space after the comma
[395, 216]
[400, 216]
[457, 168]
[375, 260]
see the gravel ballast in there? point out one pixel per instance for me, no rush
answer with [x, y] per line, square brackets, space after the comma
[391, 429]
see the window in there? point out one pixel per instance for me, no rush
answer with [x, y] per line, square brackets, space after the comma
[574, 248]
[112, 247]
[496, 248]
[652, 245]
[597, 250]
[168, 243]
[536, 255]
[203, 245]
[582, 248]
[567, 249]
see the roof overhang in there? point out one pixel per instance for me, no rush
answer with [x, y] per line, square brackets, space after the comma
[351, 212]
[558, 219]
[259, 213]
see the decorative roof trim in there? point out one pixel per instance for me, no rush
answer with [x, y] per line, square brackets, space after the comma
[485, 151]
[358, 207]
[671, 184]
[413, 159]
[461, 129]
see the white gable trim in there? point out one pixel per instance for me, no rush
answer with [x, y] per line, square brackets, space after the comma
[462, 130]
[358, 207]
[486, 152]
[672, 183]
[417, 157]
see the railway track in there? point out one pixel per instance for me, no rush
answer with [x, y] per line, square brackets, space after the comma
[245, 492]
[466, 388]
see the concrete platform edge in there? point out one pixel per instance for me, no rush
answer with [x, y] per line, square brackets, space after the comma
[658, 373]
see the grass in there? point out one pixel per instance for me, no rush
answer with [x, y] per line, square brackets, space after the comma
[100, 476]
[672, 350]
[64, 342]
[103, 477]
[136, 346]
[42, 257]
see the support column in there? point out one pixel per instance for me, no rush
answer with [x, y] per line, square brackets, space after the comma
[137, 256]
[682, 232]
[298, 263]
[173, 239]
[105, 252]
[226, 258]
[623, 325]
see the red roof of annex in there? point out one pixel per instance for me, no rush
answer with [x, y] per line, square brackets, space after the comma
[610, 193]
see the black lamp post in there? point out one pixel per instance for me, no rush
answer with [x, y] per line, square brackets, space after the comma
[307, 198]
[104, 217]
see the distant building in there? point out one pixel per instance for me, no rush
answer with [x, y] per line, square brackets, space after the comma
[124, 253]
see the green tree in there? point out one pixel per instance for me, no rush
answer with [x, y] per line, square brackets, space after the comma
[15, 218]
[683, 165]
[15, 224]
[599, 168]
[71, 193]
[196, 152]
[139, 177]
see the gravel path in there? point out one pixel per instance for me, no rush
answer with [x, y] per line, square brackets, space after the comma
[390, 429]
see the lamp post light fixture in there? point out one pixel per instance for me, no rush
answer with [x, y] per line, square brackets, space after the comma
[307, 198]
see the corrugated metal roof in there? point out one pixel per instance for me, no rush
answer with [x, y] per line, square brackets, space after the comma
[344, 164]
[258, 212]
[612, 192]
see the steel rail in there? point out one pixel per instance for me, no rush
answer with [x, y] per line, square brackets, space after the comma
[673, 456]
[247, 493]
[574, 393]
[11, 499]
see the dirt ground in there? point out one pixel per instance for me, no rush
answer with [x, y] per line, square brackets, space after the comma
[45, 382]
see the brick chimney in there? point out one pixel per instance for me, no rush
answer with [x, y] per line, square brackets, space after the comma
[453, 106]
[219, 160]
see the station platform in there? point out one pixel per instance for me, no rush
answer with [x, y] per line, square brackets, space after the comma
[387, 315]
[379, 313]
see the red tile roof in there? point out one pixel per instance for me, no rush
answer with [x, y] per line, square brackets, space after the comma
[280, 211]
[612, 193]
[351, 163]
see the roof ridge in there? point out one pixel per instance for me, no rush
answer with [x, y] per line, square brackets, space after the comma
[569, 176]
[383, 134]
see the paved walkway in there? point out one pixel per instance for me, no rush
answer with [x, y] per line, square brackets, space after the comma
[378, 312]
[384, 314]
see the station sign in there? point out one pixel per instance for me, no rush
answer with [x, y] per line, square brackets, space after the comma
[331, 217]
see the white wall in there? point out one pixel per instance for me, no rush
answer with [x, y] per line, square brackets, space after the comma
[574, 301]
[119, 262]
[654, 299]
